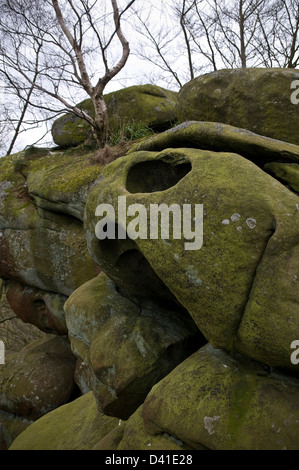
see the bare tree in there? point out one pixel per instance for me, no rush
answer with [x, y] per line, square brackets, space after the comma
[158, 43]
[10, 118]
[165, 41]
[201, 24]
[226, 32]
[212, 34]
[183, 14]
[70, 36]
[17, 114]
[208, 35]
[100, 121]
[245, 33]
[278, 46]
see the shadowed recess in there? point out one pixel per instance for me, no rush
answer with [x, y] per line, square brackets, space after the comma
[155, 175]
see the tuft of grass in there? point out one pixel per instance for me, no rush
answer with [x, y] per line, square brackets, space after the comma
[120, 142]
[132, 130]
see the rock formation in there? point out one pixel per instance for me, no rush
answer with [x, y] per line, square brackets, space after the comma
[159, 347]
[255, 99]
[146, 105]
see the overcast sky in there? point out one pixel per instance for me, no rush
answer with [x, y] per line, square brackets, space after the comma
[135, 72]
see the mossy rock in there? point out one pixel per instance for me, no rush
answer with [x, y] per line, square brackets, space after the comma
[135, 437]
[14, 333]
[147, 105]
[42, 210]
[40, 308]
[288, 173]
[51, 253]
[256, 99]
[225, 402]
[71, 131]
[10, 427]
[240, 287]
[126, 345]
[31, 152]
[75, 426]
[60, 181]
[222, 138]
[212, 400]
[37, 379]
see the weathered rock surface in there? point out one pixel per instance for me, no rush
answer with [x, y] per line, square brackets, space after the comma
[225, 402]
[288, 173]
[38, 378]
[42, 242]
[255, 99]
[134, 328]
[14, 333]
[222, 137]
[80, 426]
[134, 436]
[75, 426]
[10, 427]
[148, 105]
[213, 400]
[240, 287]
[127, 346]
[40, 308]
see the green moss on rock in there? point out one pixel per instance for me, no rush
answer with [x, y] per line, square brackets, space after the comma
[222, 138]
[75, 426]
[286, 172]
[225, 402]
[42, 210]
[71, 131]
[256, 99]
[248, 262]
[127, 346]
[135, 437]
[37, 379]
[146, 105]
[10, 427]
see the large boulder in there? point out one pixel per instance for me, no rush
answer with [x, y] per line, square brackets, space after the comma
[10, 427]
[37, 379]
[126, 345]
[225, 402]
[233, 282]
[256, 99]
[81, 426]
[288, 173]
[75, 426]
[40, 308]
[222, 137]
[69, 130]
[212, 400]
[132, 435]
[42, 241]
[147, 105]
[239, 287]
[14, 333]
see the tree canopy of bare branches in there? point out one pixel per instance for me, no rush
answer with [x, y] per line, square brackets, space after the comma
[57, 52]
[212, 34]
